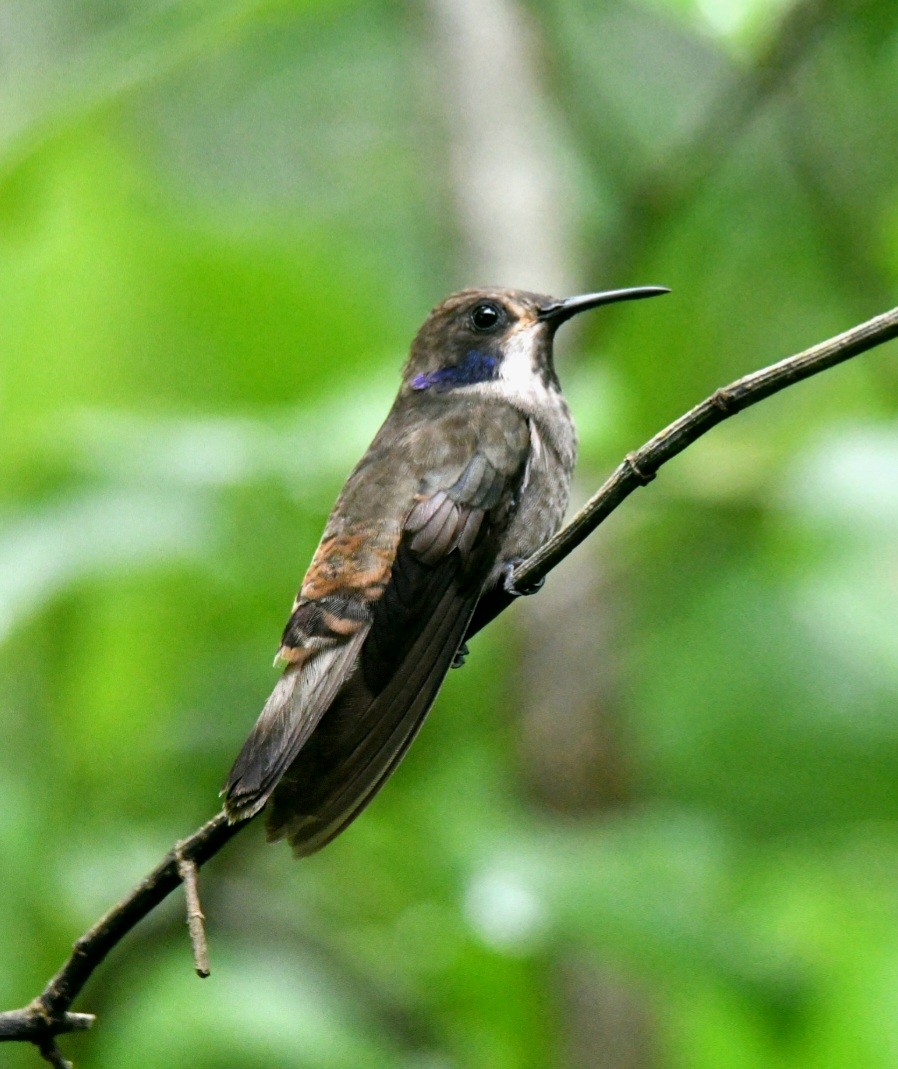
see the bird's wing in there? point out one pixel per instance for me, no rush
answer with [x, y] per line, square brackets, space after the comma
[446, 547]
[320, 647]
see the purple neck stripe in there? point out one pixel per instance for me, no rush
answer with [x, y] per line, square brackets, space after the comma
[476, 367]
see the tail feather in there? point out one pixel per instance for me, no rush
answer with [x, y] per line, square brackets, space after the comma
[288, 718]
[363, 736]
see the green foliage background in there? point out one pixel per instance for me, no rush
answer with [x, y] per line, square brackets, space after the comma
[220, 224]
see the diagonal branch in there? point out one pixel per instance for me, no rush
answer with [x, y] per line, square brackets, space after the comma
[641, 466]
[49, 1014]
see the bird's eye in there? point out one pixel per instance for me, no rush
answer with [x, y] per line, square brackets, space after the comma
[486, 316]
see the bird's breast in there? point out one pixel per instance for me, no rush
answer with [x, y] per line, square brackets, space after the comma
[545, 490]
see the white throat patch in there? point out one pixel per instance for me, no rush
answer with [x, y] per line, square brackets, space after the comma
[517, 365]
[519, 383]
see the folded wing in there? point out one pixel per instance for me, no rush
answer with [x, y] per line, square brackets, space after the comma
[382, 612]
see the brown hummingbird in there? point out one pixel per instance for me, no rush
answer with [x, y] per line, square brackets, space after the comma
[468, 476]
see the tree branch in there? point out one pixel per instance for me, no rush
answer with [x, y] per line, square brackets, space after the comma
[49, 1014]
[641, 466]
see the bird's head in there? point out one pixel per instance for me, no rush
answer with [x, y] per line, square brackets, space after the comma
[499, 336]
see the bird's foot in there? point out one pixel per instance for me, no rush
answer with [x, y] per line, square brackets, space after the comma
[461, 655]
[512, 588]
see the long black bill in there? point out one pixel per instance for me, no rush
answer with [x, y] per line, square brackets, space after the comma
[558, 311]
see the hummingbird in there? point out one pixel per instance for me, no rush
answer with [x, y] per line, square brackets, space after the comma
[468, 476]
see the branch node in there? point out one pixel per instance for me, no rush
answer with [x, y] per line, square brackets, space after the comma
[723, 400]
[81, 947]
[188, 872]
[632, 462]
[39, 1008]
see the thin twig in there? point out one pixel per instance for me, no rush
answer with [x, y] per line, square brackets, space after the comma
[48, 1016]
[188, 872]
[29, 1023]
[51, 1053]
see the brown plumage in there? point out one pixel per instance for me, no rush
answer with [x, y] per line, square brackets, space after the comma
[380, 616]
[469, 473]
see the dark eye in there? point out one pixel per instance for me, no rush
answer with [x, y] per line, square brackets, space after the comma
[486, 316]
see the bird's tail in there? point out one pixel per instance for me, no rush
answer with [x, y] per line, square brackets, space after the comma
[364, 735]
[297, 703]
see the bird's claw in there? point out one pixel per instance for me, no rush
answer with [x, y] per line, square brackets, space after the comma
[460, 656]
[512, 588]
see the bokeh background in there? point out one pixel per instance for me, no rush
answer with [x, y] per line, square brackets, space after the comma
[654, 821]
